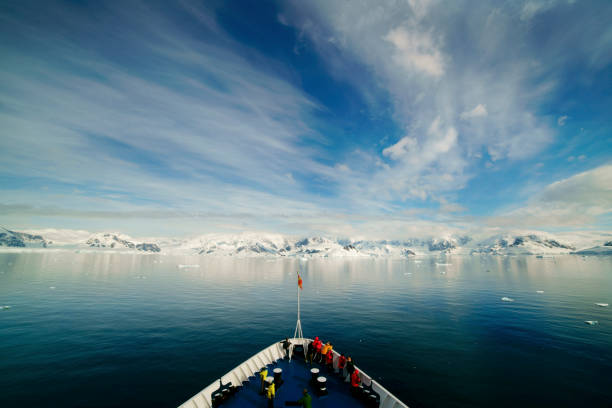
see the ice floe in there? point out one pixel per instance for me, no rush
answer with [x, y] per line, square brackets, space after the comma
[5, 307]
[507, 299]
[51, 287]
[602, 304]
[592, 322]
[540, 291]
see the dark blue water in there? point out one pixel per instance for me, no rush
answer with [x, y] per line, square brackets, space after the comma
[138, 330]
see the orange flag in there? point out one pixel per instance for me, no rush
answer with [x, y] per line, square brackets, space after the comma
[299, 281]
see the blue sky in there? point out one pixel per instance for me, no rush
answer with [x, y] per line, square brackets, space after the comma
[372, 119]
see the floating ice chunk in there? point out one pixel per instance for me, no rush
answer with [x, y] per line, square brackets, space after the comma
[5, 307]
[602, 304]
[189, 266]
[592, 322]
[539, 291]
[51, 287]
[507, 299]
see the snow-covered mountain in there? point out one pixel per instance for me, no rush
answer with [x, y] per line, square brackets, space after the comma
[605, 249]
[275, 245]
[10, 238]
[530, 244]
[119, 241]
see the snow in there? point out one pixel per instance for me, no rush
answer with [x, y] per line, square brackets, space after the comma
[598, 250]
[261, 244]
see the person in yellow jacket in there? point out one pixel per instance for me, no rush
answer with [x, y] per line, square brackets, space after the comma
[271, 392]
[263, 374]
[326, 348]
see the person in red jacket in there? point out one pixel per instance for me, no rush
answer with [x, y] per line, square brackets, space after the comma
[341, 365]
[329, 360]
[355, 381]
[318, 346]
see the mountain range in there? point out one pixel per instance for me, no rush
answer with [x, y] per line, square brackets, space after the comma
[275, 245]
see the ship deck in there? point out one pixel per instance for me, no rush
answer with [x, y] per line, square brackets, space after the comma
[241, 385]
[296, 376]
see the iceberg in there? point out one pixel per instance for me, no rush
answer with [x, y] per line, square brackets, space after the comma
[591, 322]
[540, 291]
[507, 299]
[602, 304]
[5, 307]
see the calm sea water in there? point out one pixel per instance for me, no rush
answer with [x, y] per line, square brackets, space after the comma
[137, 330]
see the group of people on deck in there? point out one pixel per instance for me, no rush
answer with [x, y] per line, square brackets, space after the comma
[323, 354]
[320, 353]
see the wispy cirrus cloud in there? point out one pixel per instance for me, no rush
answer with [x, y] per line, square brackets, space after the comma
[189, 123]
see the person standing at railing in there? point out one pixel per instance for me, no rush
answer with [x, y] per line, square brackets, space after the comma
[326, 348]
[355, 381]
[318, 346]
[350, 367]
[310, 352]
[329, 358]
[341, 365]
[286, 344]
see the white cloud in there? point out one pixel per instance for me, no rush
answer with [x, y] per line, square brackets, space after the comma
[531, 8]
[478, 111]
[576, 201]
[342, 167]
[416, 51]
[404, 146]
[428, 78]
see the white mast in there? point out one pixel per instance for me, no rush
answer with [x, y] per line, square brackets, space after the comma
[298, 326]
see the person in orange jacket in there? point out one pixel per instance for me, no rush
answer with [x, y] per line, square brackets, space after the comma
[326, 349]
